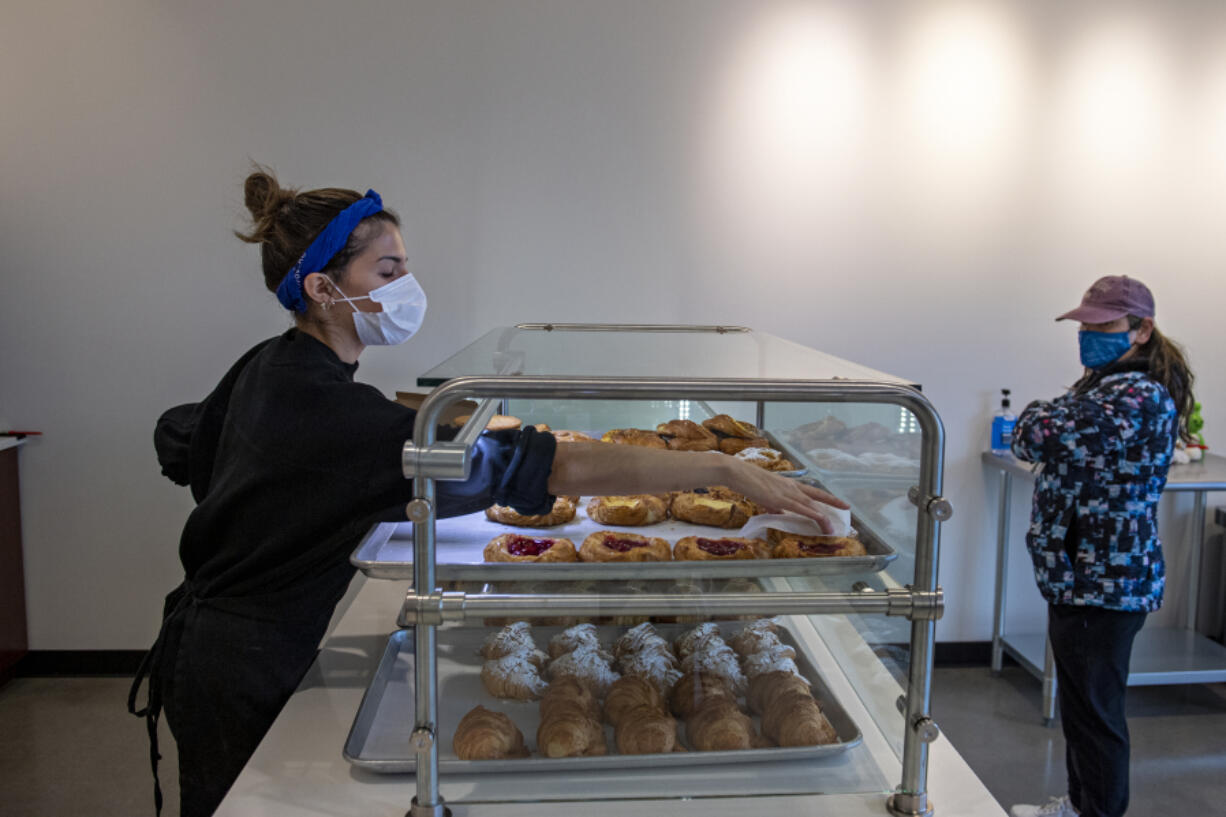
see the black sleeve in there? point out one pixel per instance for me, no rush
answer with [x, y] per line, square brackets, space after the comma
[509, 468]
[185, 436]
[172, 439]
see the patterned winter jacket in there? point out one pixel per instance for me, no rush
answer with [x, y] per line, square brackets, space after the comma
[1103, 451]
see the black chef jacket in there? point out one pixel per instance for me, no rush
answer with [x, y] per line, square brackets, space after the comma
[290, 462]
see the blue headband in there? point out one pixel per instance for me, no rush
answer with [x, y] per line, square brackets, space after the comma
[327, 244]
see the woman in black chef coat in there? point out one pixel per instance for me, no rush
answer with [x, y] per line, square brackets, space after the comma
[290, 461]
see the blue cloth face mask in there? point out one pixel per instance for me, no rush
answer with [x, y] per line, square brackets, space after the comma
[1100, 348]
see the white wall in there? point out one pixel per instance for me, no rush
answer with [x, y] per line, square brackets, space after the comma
[917, 186]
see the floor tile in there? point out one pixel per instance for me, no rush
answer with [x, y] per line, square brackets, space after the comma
[69, 747]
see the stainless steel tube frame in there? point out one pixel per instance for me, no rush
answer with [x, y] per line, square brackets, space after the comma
[441, 607]
[1004, 501]
[1195, 558]
[911, 796]
[628, 327]
[447, 460]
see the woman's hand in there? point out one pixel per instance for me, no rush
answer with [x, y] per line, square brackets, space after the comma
[777, 494]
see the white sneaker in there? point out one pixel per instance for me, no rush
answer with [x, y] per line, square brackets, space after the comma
[1056, 807]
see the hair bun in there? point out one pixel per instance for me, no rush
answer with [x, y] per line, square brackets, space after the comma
[263, 195]
[265, 199]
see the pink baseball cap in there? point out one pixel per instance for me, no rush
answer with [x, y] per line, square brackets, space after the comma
[1110, 298]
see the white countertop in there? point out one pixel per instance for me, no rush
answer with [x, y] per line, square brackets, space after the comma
[298, 770]
[10, 442]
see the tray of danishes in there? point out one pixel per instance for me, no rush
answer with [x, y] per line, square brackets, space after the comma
[695, 533]
[527, 697]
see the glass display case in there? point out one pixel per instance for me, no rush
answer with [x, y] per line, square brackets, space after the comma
[860, 625]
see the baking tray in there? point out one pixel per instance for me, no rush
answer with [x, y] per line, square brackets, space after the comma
[386, 552]
[379, 738]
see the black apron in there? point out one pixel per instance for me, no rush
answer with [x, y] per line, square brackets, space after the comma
[222, 669]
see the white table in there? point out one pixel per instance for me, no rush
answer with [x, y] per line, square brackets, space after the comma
[1160, 655]
[298, 769]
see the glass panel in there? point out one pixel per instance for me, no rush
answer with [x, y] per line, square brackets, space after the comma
[658, 353]
[868, 455]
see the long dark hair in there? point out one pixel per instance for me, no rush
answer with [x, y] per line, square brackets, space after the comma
[1168, 364]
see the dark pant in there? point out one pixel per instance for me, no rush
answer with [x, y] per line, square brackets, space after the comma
[1092, 647]
[227, 677]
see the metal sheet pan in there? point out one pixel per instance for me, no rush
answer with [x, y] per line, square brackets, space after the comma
[386, 552]
[379, 738]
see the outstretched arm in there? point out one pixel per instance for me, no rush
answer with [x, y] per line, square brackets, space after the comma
[604, 469]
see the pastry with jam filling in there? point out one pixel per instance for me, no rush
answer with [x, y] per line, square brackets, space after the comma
[519, 547]
[616, 546]
[793, 546]
[723, 548]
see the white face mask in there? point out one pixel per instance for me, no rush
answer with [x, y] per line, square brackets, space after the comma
[404, 308]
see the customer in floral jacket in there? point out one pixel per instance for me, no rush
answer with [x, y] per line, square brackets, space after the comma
[1103, 450]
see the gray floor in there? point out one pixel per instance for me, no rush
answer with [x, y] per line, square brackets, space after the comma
[1178, 740]
[68, 747]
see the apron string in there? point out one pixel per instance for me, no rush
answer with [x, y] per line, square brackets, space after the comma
[151, 668]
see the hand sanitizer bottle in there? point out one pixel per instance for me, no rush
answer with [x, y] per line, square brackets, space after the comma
[1002, 425]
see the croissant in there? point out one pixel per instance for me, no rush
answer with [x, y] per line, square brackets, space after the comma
[772, 659]
[780, 708]
[569, 708]
[771, 685]
[719, 726]
[570, 690]
[797, 720]
[515, 637]
[688, 641]
[756, 636]
[660, 669]
[628, 693]
[712, 655]
[512, 676]
[696, 689]
[637, 639]
[645, 730]
[577, 637]
[568, 732]
[589, 666]
[486, 735]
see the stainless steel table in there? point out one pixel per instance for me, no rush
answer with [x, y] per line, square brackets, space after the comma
[1159, 655]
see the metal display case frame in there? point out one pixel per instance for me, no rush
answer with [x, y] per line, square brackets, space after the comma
[427, 460]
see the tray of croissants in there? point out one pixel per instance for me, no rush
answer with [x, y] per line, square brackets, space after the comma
[694, 533]
[589, 697]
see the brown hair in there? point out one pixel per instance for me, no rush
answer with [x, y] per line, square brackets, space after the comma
[1168, 364]
[284, 221]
